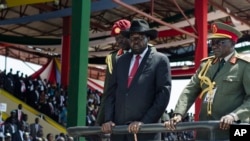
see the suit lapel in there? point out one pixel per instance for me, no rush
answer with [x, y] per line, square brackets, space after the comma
[126, 66]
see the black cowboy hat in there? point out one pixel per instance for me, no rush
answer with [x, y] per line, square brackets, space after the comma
[140, 26]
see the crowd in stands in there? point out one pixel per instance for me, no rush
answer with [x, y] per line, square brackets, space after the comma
[45, 97]
[48, 99]
[93, 104]
[16, 128]
[51, 100]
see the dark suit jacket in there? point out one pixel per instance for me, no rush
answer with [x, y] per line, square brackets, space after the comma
[8, 128]
[17, 136]
[33, 131]
[148, 95]
[22, 113]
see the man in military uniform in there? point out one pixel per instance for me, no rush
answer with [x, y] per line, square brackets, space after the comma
[123, 44]
[221, 82]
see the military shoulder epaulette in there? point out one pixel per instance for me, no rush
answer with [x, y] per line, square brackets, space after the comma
[210, 57]
[244, 57]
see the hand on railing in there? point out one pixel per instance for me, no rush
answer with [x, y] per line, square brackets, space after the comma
[107, 127]
[134, 127]
[226, 121]
[171, 124]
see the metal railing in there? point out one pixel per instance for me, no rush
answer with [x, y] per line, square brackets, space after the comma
[83, 131]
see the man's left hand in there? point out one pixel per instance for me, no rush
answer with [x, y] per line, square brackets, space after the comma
[134, 127]
[226, 121]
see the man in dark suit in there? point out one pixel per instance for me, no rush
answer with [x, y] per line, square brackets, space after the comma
[18, 136]
[19, 112]
[138, 96]
[10, 125]
[221, 82]
[123, 45]
[35, 127]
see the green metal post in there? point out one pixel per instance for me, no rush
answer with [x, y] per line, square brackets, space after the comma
[78, 63]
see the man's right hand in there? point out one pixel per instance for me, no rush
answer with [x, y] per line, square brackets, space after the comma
[107, 127]
[171, 124]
